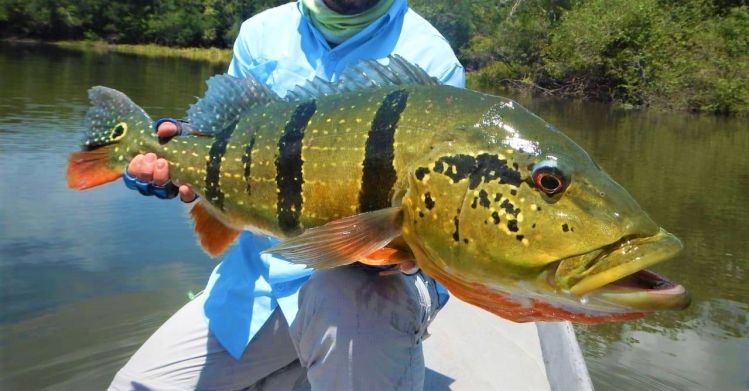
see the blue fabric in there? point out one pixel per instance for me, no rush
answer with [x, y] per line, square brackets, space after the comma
[281, 48]
[162, 120]
[183, 128]
[165, 192]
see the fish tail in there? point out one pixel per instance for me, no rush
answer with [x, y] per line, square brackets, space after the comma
[114, 124]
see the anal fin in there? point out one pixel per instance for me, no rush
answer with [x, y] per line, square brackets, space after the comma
[214, 236]
[342, 241]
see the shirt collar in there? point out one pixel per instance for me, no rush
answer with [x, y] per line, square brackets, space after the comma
[397, 10]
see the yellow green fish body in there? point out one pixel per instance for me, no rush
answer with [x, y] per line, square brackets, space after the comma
[502, 208]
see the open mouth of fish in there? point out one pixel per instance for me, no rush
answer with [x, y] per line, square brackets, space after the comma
[616, 274]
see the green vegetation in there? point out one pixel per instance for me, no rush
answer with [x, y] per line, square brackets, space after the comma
[214, 55]
[676, 54]
[181, 23]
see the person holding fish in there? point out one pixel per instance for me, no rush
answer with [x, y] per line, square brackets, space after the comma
[265, 323]
[339, 128]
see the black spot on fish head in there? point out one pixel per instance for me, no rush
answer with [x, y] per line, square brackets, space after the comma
[421, 173]
[512, 225]
[456, 234]
[509, 208]
[484, 198]
[428, 201]
[458, 168]
[495, 217]
[490, 168]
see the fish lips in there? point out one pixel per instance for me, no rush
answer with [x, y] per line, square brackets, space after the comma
[615, 276]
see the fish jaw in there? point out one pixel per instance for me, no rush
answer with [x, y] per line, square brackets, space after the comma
[615, 276]
[519, 308]
[512, 304]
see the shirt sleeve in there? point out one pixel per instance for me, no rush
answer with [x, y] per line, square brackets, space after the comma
[454, 76]
[242, 60]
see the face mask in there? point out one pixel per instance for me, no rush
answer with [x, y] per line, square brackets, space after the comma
[336, 27]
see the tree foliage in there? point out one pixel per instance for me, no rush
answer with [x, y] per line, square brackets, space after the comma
[167, 22]
[683, 54]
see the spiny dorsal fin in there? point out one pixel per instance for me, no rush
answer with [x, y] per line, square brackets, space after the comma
[363, 75]
[225, 100]
[342, 241]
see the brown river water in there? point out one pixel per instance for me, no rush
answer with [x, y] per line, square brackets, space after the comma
[83, 282]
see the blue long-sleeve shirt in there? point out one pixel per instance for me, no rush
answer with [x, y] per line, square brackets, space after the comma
[281, 48]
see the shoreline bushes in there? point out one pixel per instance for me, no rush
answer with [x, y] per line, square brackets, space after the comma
[674, 54]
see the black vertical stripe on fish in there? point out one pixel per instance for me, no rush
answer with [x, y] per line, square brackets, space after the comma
[213, 192]
[247, 163]
[379, 175]
[289, 167]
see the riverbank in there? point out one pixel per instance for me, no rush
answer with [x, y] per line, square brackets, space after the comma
[213, 55]
[729, 99]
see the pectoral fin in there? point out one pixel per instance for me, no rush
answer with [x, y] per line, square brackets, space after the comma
[343, 241]
[214, 236]
[387, 256]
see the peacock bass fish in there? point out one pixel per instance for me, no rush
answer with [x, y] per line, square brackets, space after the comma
[385, 165]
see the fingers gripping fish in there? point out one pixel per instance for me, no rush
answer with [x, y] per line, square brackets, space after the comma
[495, 203]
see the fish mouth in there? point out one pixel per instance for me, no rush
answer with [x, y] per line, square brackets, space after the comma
[615, 275]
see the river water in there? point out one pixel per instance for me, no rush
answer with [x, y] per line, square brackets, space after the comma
[83, 282]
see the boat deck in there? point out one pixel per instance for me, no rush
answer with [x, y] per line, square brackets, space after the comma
[471, 349]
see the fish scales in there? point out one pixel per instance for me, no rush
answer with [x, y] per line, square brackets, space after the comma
[492, 201]
[334, 161]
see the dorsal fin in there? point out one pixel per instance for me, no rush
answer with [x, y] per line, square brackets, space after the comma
[363, 75]
[225, 100]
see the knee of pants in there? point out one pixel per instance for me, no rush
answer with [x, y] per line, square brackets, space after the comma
[351, 300]
[353, 291]
[360, 324]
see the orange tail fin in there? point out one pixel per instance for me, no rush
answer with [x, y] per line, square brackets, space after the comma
[87, 169]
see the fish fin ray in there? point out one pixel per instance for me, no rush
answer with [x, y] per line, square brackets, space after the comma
[214, 236]
[87, 169]
[387, 256]
[364, 75]
[342, 241]
[109, 108]
[225, 100]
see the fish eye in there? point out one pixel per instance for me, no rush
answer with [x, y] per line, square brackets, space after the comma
[549, 179]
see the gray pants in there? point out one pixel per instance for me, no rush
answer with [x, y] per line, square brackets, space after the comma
[355, 330]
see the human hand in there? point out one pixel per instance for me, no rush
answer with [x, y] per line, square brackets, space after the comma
[149, 168]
